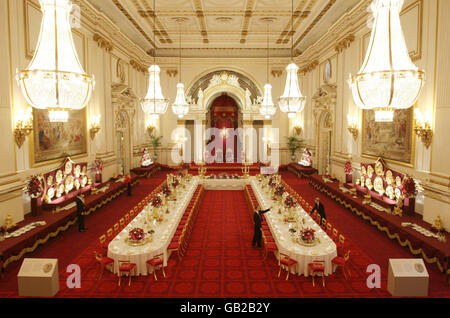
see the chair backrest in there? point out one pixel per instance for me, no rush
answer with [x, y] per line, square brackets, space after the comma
[329, 227]
[122, 222]
[116, 227]
[123, 262]
[98, 256]
[335, 232]
[127, 217]
[324, 222]
[341, 239]
[347, 256]
[160, 256]
[102, 239]
[109, 233]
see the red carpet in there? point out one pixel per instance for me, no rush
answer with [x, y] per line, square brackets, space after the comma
[71, 243]
[220, 261]
[365, 236]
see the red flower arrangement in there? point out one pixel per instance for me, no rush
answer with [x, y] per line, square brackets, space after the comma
[409, 188]
[136, 235]
[156, 202]
[279, 190]
[348, 169]
[166, 190]
[98, 166]
[34, 187]
[175, 183]
[271, 183]
[307, 235]
[289, 202]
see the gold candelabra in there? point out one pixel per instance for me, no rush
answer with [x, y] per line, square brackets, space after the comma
[202, 170]
[246, 170]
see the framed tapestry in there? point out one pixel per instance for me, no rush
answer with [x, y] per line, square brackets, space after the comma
[53, 141]
[391, 140]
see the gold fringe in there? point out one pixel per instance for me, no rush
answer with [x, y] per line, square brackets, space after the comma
[394, 236]
[60, 229]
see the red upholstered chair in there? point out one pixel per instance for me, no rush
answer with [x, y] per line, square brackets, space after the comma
[269, 246]
[109, 234]
[126, 267]
[341, 261]
[102, 262]
[103, 242]
[340, 243]
[155, 262]
[116, 228]
[286, 261]
[329, 229]
[335, 237]
[317, 267]
[324, 224]
[122, 223]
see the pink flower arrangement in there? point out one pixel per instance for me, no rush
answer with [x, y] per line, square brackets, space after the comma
[289, 202]
[307, 235]
[175, 183]
[156, 202]
[98, 166]
[348, 169]
[136, 235]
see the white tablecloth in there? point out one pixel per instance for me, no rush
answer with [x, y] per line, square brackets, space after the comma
[324, 251]
[119, 249]
[224, 184]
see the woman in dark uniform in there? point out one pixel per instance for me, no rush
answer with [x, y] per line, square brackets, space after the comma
[257, 219]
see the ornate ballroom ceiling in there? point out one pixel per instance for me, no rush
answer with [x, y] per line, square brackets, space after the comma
[232, 28]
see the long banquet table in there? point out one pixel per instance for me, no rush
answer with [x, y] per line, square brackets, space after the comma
[119, 249]
[324, 251]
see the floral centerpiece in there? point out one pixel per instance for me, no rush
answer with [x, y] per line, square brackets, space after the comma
[279, 190]
[348, 169]
[289, 202]
[156, 202]
[271, 182]
[307, 236]
[409, 188]
[175, 183]
[136, 235]
[34, 187]
[166, 191]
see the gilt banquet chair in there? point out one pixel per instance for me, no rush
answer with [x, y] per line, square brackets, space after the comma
[324, 224]
[127, 218]
[103, 242]
[126, 267]
[116, 228]
[154, 263]
[102, 262]
[122, 222]
[329, 229]
[340, 243]
[269, 246]
[109, 234]
[285, 260]
[340, 261]
[315, 267]
[335, 235]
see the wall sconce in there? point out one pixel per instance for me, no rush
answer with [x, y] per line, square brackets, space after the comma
[352, 125]
[423, 127]
[24, 126]
[151, 124]
[150, 129]
[268, 141]
[95, 125]
[298, 128]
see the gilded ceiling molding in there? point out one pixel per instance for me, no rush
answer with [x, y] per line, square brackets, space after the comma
[172, 72]
[138, 66]
[247, 17]
[310, 67]
[316, 20]
[201, 20]
[300, 13]
[276, 72]
[344, 43]
[103, 43]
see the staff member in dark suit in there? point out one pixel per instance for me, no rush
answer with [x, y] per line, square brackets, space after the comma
[128, 184]
[257, 219]
[318, 206]
[81, 208]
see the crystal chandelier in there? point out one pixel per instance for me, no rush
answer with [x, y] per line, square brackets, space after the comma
[292, 101]
[388, 79]
[55, 79]
[267, 108]
[154, 103]
[180, 107]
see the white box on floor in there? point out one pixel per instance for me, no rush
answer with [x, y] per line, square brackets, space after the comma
[408, 277]
[38, 277]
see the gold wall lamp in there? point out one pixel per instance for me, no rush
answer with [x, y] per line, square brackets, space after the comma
[298, 128]
[24, 126]
[422, 127]
[95, 125]
[352, 125]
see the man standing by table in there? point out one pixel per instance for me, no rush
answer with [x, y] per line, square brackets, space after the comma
[128, 184]
[257, 219]
[318, 206]
[81, 208]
